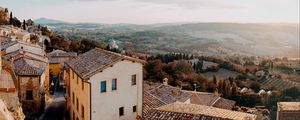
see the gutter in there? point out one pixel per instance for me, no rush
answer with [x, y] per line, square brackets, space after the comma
[90, 97]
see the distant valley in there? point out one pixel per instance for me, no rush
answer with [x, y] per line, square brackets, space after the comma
[196, 38]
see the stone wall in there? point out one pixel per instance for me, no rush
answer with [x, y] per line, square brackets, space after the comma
[29, 83]
[13, 105]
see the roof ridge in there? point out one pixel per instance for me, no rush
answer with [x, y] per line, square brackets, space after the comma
[121, 55]
[95, 61]
[216, 100]
[198, 97]
[29, 57]
[155, 87]
[25, 51]
[29, 44]
[165, 86]
[108, 51]
[206, 93]
[205, 108]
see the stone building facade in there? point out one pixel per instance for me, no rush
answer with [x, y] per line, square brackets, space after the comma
[288, 111]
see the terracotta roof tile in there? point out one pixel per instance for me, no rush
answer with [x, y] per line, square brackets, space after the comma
[203, 98]
[95, 60]
[203, 110]
[224, 103]
[57, 56]
[167, 115]
[60, 53]
[27, 66]
[21, 53]
[5, 43]
[150, 102]
[289, 106]
[209, 99]
[169, 94]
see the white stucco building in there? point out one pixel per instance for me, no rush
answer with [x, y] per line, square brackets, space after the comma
[20, 45]
[102, 85]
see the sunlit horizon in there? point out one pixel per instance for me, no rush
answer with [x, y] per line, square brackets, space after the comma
[156, 11]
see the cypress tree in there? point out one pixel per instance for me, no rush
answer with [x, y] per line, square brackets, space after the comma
[234, 89]
[227, 90]
[220, 87]
[215, 80]
[24, 25]
[10, 18]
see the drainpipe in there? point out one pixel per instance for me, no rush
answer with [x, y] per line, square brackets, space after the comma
[137, 100]
[90, 86]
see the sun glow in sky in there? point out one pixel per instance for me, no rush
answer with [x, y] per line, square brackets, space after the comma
[157, 11]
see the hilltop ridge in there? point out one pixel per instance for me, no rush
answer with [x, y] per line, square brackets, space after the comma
[48, 21]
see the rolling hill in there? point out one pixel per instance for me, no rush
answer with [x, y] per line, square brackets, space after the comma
[197, 38]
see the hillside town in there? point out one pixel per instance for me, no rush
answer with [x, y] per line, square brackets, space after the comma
[39, 81]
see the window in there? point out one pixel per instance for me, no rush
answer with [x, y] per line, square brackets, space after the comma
[77, 80]
[82, 85]
[73, 115]
[73, 98]
[82, 111]
[121, 111]
[29, 95]
[114, 84]
[134, 108]
[77, 104]
[68, 89]
[133, 79]
[103, 86]
[73, 75]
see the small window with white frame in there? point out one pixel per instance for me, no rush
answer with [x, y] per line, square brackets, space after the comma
[114, 84]
[103, 86]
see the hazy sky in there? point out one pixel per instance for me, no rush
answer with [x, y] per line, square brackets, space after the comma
[157, 11]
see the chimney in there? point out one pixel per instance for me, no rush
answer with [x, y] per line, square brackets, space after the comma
[22, 52]
[165, 81]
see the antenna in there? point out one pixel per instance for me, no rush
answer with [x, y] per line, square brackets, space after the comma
[195, 87]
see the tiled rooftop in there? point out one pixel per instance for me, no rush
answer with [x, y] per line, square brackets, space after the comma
[169, 94]
[154, 98]
[60, 53]
[203, 98]
[167, 115]
[28, 66]
[6, 42]
[96, 60]
[210, 99]
[206, 111]
[289, 106]
[21, 53]
[224, 103]
[150, 102]
[57, 56]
